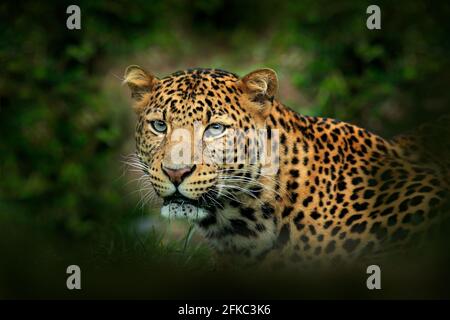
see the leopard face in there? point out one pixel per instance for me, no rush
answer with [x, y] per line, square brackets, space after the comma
[187, 137]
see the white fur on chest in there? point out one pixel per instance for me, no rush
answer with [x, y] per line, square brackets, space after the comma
[221, 237]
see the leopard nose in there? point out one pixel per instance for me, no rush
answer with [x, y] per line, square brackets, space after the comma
[177, 175]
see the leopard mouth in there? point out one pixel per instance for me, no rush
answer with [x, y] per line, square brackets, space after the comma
[180, 199]
[179, 206]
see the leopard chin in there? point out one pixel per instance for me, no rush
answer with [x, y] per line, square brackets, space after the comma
[180, 208]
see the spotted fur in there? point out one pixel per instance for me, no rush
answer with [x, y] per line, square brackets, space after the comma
[340, 191]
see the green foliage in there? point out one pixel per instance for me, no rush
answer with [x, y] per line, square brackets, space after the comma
[354, 71]
[60, 138]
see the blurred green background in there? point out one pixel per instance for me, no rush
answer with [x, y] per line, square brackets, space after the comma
[66, 122]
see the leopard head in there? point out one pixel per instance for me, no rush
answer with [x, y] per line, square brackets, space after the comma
[197, 135]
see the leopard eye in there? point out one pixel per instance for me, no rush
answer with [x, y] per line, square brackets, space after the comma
[158, 126]
[214, 130]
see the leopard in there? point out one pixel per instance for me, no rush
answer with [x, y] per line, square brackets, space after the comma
[336, 191]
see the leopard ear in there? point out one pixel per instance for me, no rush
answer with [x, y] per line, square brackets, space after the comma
[141, 84]
[261, 86]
